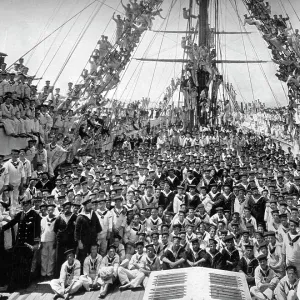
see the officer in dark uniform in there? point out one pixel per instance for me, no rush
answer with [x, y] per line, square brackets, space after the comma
[64, 228]
[27, 240]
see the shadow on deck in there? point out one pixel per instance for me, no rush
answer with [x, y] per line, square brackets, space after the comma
[42, 291]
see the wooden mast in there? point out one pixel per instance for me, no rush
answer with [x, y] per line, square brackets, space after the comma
[202, 75]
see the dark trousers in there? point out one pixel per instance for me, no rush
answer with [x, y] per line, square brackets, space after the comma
[60, 258]
[82, 254]
[21, 268]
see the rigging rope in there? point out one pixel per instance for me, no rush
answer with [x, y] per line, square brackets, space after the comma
[81, 35]
[172, 5]
[294, 10]
[115, 9]
[261, 68]
[52, 44]
[50, 20]
[50, 34]
[245, 53]
[145, 53]
[49, 64]
[114, 47]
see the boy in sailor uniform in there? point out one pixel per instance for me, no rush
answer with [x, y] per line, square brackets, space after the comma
[128, 276]
[153, 222]
[47, 245]
[287, 288]
[16, 173]
[68, 282]
[291, 246]
[130, 236]
[219, 216]
[179, 198]
[105, 219]
[118, 218]
[196, 256]
[230, 253]
[265, 280]
[175, 256]
[91, 266]
[191, 219]
[193, 198]
[151, 264]
[108, 271]
[157, 245]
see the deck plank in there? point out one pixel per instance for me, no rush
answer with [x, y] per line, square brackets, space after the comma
[42, 291]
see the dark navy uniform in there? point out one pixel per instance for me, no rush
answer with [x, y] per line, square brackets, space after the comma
[29, 231]
[64, 230]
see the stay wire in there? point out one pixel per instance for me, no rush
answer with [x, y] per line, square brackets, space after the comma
[111, 52]
[49, 49]
[116, 10]
[145, 53]
[257, 57]
[249, 74]
[57, 50]
[50, 34]
[84, 30]
[50, 20]
[172, 5]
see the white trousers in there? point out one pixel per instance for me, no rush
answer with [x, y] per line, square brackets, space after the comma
[135, 277]
[102, 242]
[14, 196]
[57, 288]
[47, 258]
[87, 281]
[292, 295]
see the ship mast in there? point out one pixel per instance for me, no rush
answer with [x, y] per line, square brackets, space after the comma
[203, 76]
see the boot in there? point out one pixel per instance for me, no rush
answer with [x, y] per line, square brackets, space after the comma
[104, 291]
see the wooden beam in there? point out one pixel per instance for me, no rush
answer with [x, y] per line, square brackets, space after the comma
[192, 31]
[215, 61]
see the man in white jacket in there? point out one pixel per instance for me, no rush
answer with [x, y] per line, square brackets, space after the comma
[16, 174]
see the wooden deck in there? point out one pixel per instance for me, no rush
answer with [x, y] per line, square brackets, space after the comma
[42, 291]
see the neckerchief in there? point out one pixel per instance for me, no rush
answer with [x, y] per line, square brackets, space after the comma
[117, 213]
[189, 238]
[264, 274]
[158, 249]
[294, 240]
[226, 196]
[196, 254]
[70, 269]
[149, 261]
[172, 179]
[65, 218]
[137, 229]
[110, 260]
[154, 222]
[285, 230]
[138, 257]
[165, 246]
[291, 287]
[102, 215]
[203, 216]
[49, 221]
[166, 194]
[230, 252]
[93, 264]
[148, 199]
[272, 250]
[191, 221]
[15, 164]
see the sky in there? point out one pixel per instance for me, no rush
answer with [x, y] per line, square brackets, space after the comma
[24, 23]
